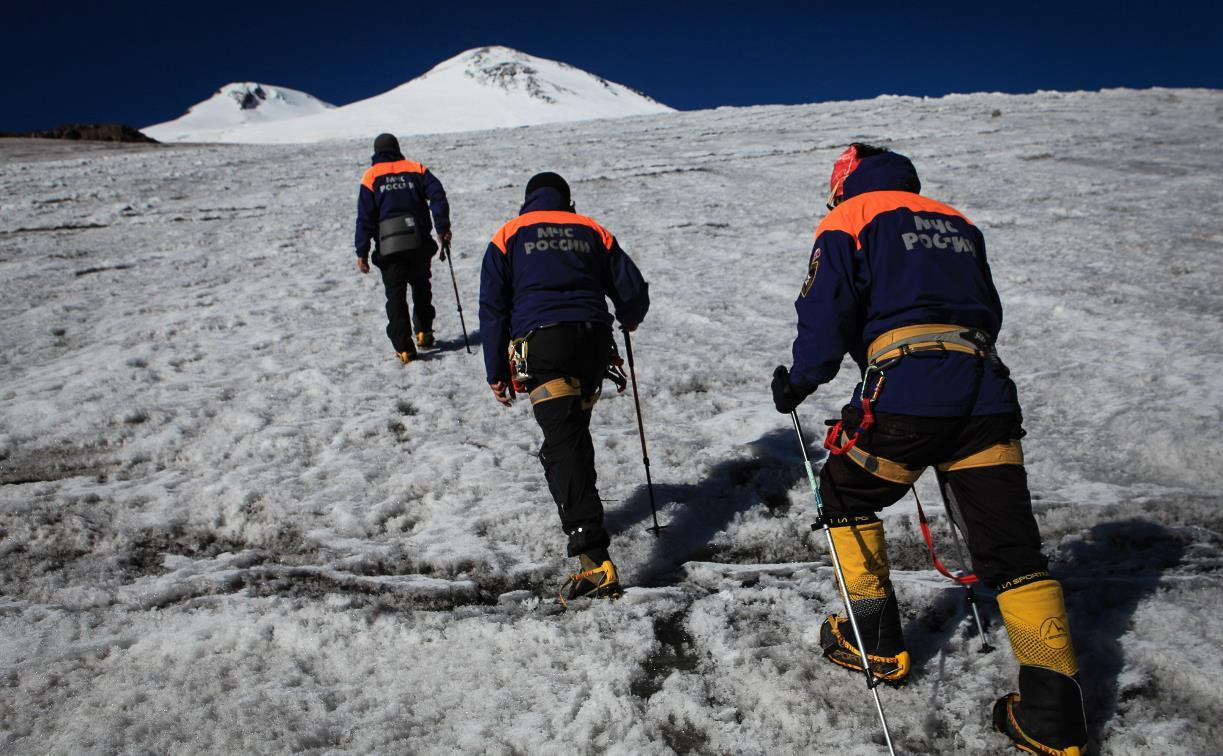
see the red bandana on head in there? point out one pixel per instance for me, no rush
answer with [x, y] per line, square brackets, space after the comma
[841, 169]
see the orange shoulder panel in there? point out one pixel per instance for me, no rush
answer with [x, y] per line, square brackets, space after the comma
[561, 217]
[856, 213]
[604, 235]
[367, 178]
[382, 169]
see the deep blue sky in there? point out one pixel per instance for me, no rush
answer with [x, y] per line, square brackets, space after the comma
[142, 63]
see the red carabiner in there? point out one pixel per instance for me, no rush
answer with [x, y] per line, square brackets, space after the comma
[830, 441]
[868, 420]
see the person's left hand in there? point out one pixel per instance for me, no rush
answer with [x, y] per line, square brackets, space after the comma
[362, 265]
[445, 237]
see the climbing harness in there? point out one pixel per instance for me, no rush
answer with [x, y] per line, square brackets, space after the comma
[885, 351]
[906, 340]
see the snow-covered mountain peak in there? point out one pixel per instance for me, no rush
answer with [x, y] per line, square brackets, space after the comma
[480, 62]
[252, 95]
[482, 88]
[510, 75]
[235, 105]
[515, 71]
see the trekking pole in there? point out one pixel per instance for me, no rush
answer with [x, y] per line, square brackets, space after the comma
[966, 580]
[954, 516]
[448, 256]
[872, 682]
[645, 457]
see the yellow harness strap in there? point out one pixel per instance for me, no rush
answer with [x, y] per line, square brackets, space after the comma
[555, 389]
[1006, 453]
[919, 338]
[562, 387]
[881, 467]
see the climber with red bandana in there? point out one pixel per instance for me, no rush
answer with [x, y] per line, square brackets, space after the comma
[901, 283]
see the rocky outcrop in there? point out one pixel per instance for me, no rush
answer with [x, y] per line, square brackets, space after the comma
[95, 132]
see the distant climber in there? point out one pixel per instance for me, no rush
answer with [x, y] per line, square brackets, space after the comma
[396, 198]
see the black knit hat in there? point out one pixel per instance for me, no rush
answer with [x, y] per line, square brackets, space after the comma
[386, 143]
[553, 180]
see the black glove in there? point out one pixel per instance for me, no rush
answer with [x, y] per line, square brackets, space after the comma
[441, 254]
[785, 398]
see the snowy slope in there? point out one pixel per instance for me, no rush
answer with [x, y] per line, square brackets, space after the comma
[484, 88]
[231, 522]
[235, 106]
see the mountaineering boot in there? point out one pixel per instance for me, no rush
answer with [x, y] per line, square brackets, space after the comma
[597, 578]
[868, 581]
[425, 340]
[840, 651]
[405, 357]
[1009, 720]
[1046, 715]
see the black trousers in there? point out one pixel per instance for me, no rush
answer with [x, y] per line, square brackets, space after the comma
[1003, 542]
[1003, 539]
[576, 351]
[398, 273]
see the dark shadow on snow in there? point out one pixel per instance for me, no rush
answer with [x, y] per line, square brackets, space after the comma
[1106, 575]
[764, 474]
[456, 343]
[933, 628]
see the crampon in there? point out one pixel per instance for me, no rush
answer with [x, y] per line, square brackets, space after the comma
[594, 581]
[1007, 721]
[837, 649]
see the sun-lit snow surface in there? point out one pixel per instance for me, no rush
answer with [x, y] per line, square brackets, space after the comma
[484, 88]
[234, 106]
[231, 522]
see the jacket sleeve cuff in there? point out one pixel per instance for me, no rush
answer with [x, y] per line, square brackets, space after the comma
[803, 385]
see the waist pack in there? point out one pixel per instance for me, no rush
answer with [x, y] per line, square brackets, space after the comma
[397, 235]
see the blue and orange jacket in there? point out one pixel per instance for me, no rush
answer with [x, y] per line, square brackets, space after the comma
[393, 187]
[550, 265]
[888, 257]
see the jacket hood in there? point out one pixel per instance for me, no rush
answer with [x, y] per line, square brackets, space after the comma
[386, 156]
[889, 171]
[545, 198]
